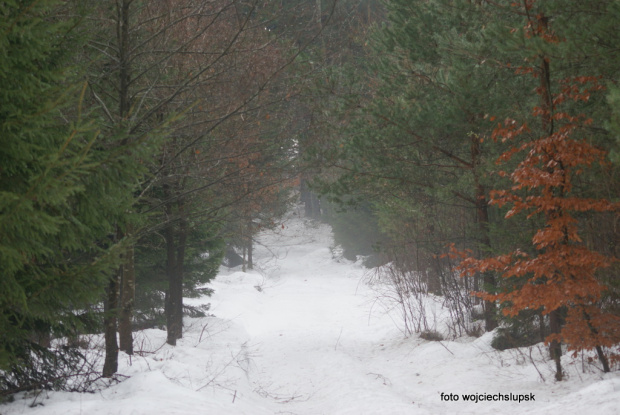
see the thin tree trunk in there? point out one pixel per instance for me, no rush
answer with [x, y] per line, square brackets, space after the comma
[127, 298]
[488, 279]
[555, 347]
[602, 358]
[176, 241]
[599, 349]
[555, 316]
[171, 294]
[179, 271]
[110, 305]
[122, 35]
[126, 283]
[482, 214]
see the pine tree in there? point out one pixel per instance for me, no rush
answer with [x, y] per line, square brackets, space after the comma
[417, 144]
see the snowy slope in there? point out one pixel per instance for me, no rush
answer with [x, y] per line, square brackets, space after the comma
[302, 334]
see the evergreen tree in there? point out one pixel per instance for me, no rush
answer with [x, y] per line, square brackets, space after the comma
[414, 137]
[416, 146]
[62, 188]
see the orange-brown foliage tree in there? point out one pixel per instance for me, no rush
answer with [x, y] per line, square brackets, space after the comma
[561, 275]
[557, 275]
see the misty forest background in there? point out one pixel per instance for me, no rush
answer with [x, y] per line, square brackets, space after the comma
[468, 146]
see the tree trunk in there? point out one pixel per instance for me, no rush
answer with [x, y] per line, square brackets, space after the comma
[126, 280]
[602, 358]
[482, 216]
[110, 305]
[304, 197]
[127, 298]
[180, 264]
[171, 294]
[122, 34]
[555, 316]
[599, 349]
[555, 347]
[176, 240]
[170, 307]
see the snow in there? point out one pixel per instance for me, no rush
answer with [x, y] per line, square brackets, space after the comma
[305, 334]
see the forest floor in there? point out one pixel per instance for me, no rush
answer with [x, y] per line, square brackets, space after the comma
[304, 333]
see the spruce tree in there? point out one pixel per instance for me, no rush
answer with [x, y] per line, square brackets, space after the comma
[62, 187]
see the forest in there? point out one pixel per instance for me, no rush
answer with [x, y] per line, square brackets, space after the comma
[469, 149]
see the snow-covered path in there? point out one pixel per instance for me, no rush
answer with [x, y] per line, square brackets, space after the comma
[313, 329]
[323, 345]
[302, 334]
